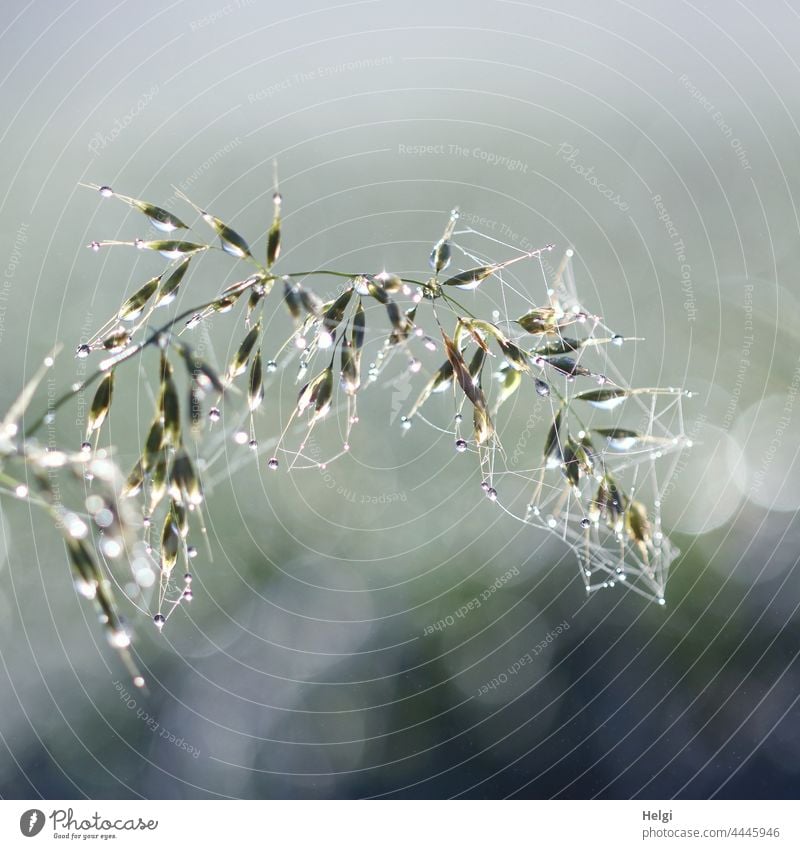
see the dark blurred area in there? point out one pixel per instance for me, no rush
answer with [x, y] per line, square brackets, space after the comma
[660, 142]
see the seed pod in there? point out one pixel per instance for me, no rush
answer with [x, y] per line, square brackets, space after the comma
[83, 562]
[515, 356]
[567, 366]
[462, 373]
[134, 306]
[476, 364]
[134, 482]
[335, 312]
[171, 249]
[389, 282]
[160, 218]
[274, 235]
[438, 383]
[154, 444]
[472, 278]
[570, 465]
[376, 290]
[539, 320]
[180, 516]
[440, 255]
[637, 524]
[482, 425]
[510, 380]
[239, 361]
[117, 340]
[291, 297]
[170, 544]
[552, 444]
[255, 393]
[619, 438]
[101, 403]
[169, 406]
[230, 241]
[359, 327]
[184, 484]
[169, 288]
[311, 303]
[614, 504]
[158, 483]
[350, 378]
[396, 317]
[604, 399]
[559, 345]
[317, 392]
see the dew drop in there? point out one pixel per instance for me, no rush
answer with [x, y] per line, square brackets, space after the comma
[187, 595]
[253, 444]
[138, 243]
[458, 418]
[300, 342]
[405, 423]
[272, 366]
[191, 552]
[159, 620]
[551, 521]
[485, 486]
[662, 602]
[492, 493]
[461, 445]
[138, 681]
[273, 464]
[585, 523]
[106, 191]
[213, 414]
[86, 447]
[187, 578]
[324, 340]
[95, 246]
[146, 521]
[617, 340]
[414, 365]
[120, 639]
[21, 491]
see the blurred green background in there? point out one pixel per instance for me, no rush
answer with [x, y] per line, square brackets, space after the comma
[302, 667]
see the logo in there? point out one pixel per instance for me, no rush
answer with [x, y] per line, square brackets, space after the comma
[31, 822]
